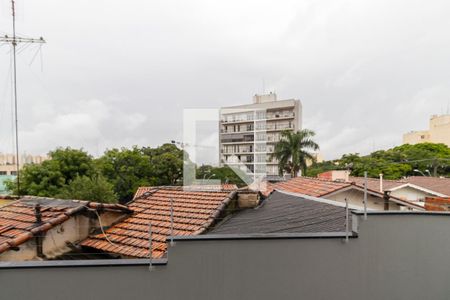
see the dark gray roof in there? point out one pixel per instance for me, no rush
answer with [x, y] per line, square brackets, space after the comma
[283, 213]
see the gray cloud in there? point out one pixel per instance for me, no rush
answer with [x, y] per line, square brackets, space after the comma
[120, 73]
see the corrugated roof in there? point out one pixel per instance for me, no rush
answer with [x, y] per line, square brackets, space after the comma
[283, 213]
[193, 212]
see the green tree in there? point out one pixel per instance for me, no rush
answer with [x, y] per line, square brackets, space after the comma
[395, 163]
[426, 156]
[292, 151]
[95, 188]
[46, 179]
[126, 169]
[167, 163]
[224, 174]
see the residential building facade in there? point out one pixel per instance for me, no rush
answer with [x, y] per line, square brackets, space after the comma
[248, 133]
[439, 132]
[8, 162]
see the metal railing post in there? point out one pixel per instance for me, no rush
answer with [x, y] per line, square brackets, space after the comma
[365, 195]
[150, 249]
[346, 221]
[171, 221]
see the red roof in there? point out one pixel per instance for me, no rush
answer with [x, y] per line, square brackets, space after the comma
[193, 210]
[374, 183]
[436, 184]
[18, 222]
[307, 186]
[223, 187]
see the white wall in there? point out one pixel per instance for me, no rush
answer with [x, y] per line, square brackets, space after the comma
[356, 197]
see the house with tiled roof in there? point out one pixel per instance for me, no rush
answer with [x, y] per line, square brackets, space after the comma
[414, 189]
[35, 228]
[406, 188]
[437, 184]
[179, 211]
[338, 191]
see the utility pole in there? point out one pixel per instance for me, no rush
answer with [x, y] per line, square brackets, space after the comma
[14, 40]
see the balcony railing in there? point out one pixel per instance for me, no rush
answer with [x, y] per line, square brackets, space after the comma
[271, 116]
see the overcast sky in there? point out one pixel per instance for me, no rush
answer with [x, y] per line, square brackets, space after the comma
[120, 73]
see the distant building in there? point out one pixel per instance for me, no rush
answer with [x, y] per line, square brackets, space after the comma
[8, 162]
[439, 132]
[248, 133]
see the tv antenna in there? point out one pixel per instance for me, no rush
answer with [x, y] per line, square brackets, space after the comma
[14, 41]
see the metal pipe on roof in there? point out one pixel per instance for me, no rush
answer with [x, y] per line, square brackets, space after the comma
[381, 182]
[346, 220]
[365, 195]
[150, 250]
[171, 221]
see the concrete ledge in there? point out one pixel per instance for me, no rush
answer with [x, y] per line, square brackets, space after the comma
[80, 263]
[264, 236]
[404, 213]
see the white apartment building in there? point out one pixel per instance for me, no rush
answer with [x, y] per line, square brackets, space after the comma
[8, 162]
[248, 133]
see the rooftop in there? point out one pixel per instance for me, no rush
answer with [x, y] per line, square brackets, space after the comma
[306, 186]
[193, 212]
[440, 185]
[18, 222]
[374, 183]
[219, 187]
[284, 213]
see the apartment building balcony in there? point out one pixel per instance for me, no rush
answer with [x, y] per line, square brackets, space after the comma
[274, 127]
[238, 138]
[223, 131]
[268, 117]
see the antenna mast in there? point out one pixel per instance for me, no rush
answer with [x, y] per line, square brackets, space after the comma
[14, 40]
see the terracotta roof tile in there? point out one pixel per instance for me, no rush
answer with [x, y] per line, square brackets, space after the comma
[192, 209]
[304, 185]
[440, 185]
[226, 187]
[18, 220]
[374, 183]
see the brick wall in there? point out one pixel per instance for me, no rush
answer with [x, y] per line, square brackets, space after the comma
[437, 204]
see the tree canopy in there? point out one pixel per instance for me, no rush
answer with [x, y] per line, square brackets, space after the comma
[407, 160]
[115, 176]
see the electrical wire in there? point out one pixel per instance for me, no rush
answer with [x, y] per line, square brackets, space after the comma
[103, 231]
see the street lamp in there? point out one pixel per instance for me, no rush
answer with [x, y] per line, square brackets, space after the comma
[418, 171]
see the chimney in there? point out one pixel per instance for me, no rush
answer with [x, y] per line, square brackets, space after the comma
[248, 199]
[381, 182]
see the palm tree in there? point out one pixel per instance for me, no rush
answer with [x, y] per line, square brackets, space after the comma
[292, 151]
